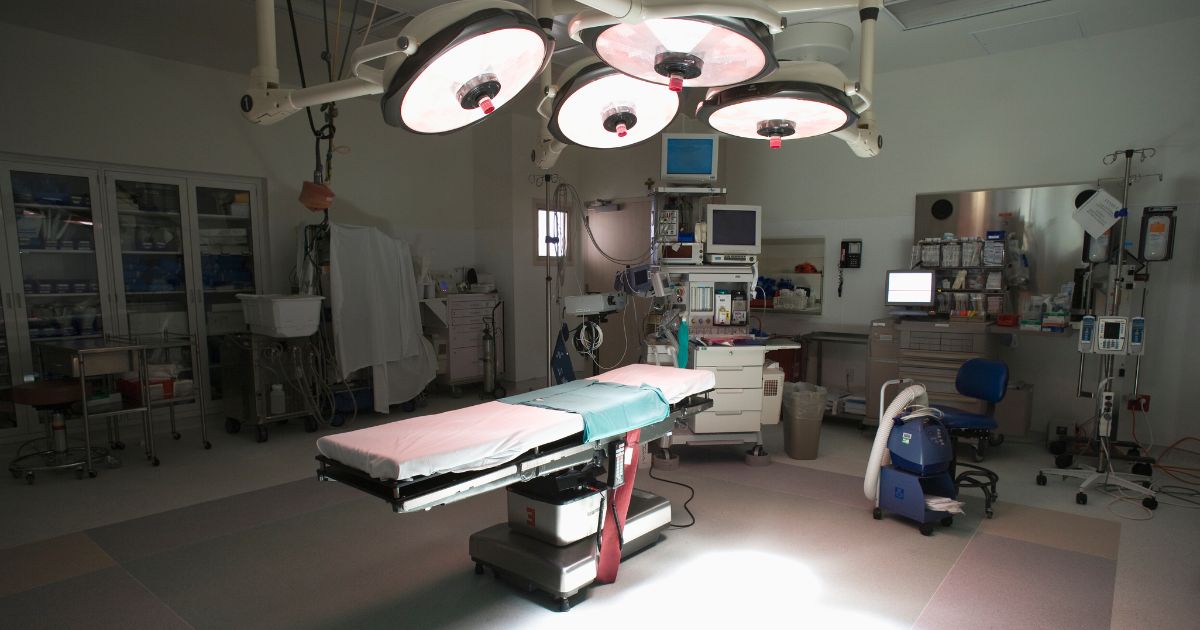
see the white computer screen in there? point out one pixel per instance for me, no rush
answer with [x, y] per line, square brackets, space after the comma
[910, 288]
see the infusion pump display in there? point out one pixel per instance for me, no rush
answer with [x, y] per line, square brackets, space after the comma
[1112, 335]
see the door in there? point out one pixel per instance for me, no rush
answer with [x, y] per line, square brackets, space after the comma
[151, 241]
[59, 283]
[9, 372]
[226, 216]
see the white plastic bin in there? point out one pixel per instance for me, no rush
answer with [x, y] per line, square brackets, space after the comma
[282, 316]
[804, 408]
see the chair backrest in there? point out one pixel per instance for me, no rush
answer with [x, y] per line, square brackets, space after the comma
[983, 379]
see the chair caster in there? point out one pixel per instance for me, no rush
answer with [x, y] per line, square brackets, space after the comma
[989, 512]
[175, 435]
[1142, 468]
[877, 514]
[996, 439]
[1041, 479]
[1150, 503]
[757, 456]
[947, 521]
[926, 529]
[261, 434]
[1081, 498]
[207, 445]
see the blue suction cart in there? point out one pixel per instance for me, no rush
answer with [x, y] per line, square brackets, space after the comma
[922, 454]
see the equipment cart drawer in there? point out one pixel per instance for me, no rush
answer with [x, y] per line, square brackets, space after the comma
[737, 377]
[726, 357]
[725, 422]
[736, 399]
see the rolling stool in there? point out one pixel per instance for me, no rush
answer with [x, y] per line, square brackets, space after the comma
[56, 397]
[987, 381]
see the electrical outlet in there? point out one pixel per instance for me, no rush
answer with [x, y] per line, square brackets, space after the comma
[1139, 403]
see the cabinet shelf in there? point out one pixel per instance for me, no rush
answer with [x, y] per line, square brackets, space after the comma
[129, 293]
[53, 206]
[57, 251]
[174, 214]
[40, 296]
[221, 217]
[987, 291]
[149, 252]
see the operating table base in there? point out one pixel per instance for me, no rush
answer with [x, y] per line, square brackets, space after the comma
[564, 571]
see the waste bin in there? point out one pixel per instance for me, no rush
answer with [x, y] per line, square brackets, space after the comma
[803, 407]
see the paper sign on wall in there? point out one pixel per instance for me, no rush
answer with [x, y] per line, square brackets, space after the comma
[1098, 213]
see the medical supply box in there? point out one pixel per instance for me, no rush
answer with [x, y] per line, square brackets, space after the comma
[560, 517]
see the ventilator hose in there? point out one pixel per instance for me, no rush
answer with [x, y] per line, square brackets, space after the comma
[913, 394]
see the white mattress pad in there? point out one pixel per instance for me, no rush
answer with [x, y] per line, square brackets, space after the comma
[487, 434]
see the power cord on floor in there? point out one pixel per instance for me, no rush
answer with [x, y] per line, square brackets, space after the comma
[691, 496]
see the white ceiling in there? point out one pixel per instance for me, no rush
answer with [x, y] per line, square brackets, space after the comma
[220, 33]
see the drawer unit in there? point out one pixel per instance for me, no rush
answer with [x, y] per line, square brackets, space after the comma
[931, 353]
[461, 322]
[725, 422]
[736, 399]
[737, 377]
[729, 357]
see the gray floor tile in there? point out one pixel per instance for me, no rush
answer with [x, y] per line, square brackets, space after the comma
[110, 598]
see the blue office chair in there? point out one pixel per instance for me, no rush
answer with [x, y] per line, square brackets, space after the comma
[987, 381]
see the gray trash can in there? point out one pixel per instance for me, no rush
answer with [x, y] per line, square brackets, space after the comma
[803, 408]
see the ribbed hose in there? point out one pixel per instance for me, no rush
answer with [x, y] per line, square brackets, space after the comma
[913, 394]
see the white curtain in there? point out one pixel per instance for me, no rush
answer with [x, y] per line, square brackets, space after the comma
[377, 313]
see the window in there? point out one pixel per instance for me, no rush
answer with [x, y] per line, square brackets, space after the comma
[557, 223]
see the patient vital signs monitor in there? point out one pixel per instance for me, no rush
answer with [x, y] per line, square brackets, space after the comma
[689, 158]
[909, 288]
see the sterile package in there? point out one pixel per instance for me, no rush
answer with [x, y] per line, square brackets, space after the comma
[931, 254]
[993, 254]
[972, 252]
[952, 255]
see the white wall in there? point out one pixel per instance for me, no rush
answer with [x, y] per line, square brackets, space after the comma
[72, 99]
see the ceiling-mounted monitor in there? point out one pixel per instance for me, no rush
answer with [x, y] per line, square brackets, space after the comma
[689, 158]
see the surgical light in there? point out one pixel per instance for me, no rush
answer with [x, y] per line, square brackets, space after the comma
[601, 108]
[466, 71]
[689, 51]
[778, 109]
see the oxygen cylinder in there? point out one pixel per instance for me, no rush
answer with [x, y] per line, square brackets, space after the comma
[58, 427]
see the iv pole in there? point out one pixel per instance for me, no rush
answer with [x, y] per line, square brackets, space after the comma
[544, 180]
[1106, 425]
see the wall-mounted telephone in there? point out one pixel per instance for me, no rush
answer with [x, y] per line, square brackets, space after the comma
[851, 257]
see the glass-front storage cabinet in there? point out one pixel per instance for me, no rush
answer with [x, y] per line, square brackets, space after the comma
[91, 250]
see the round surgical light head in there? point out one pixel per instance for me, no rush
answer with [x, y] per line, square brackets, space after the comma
[777, 110]
[467, 69]
[603, 109]
[693, 51]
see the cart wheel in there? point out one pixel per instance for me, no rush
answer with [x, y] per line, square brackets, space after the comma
[232, 425]
[564, 605]
[1150, 503]
[947, 521]
[1081, 498]
[1146, 484]
[757, 456]
[29, 478]
[1064, 461]
[877, 514]
[155, 462]
[15, 473]
[117, 446]
[1041, 479]
[262, 434]
[410, 406]
[310, 425]
[1142, 468]
[338, 420]
[1134, 452]
[478, 569]
[500, 392]
[989, 512]
[977, 454]
[79, 473]
[996, 439]
[455, 391]
[926, 529]
[92, 474]
[207, 445]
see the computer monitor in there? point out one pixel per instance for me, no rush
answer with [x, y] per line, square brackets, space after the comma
[909, 288]
[689, 158]
[734, 229]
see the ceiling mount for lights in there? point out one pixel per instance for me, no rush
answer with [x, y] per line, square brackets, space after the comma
[450, 67]
[679, 52]
[601, 108]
